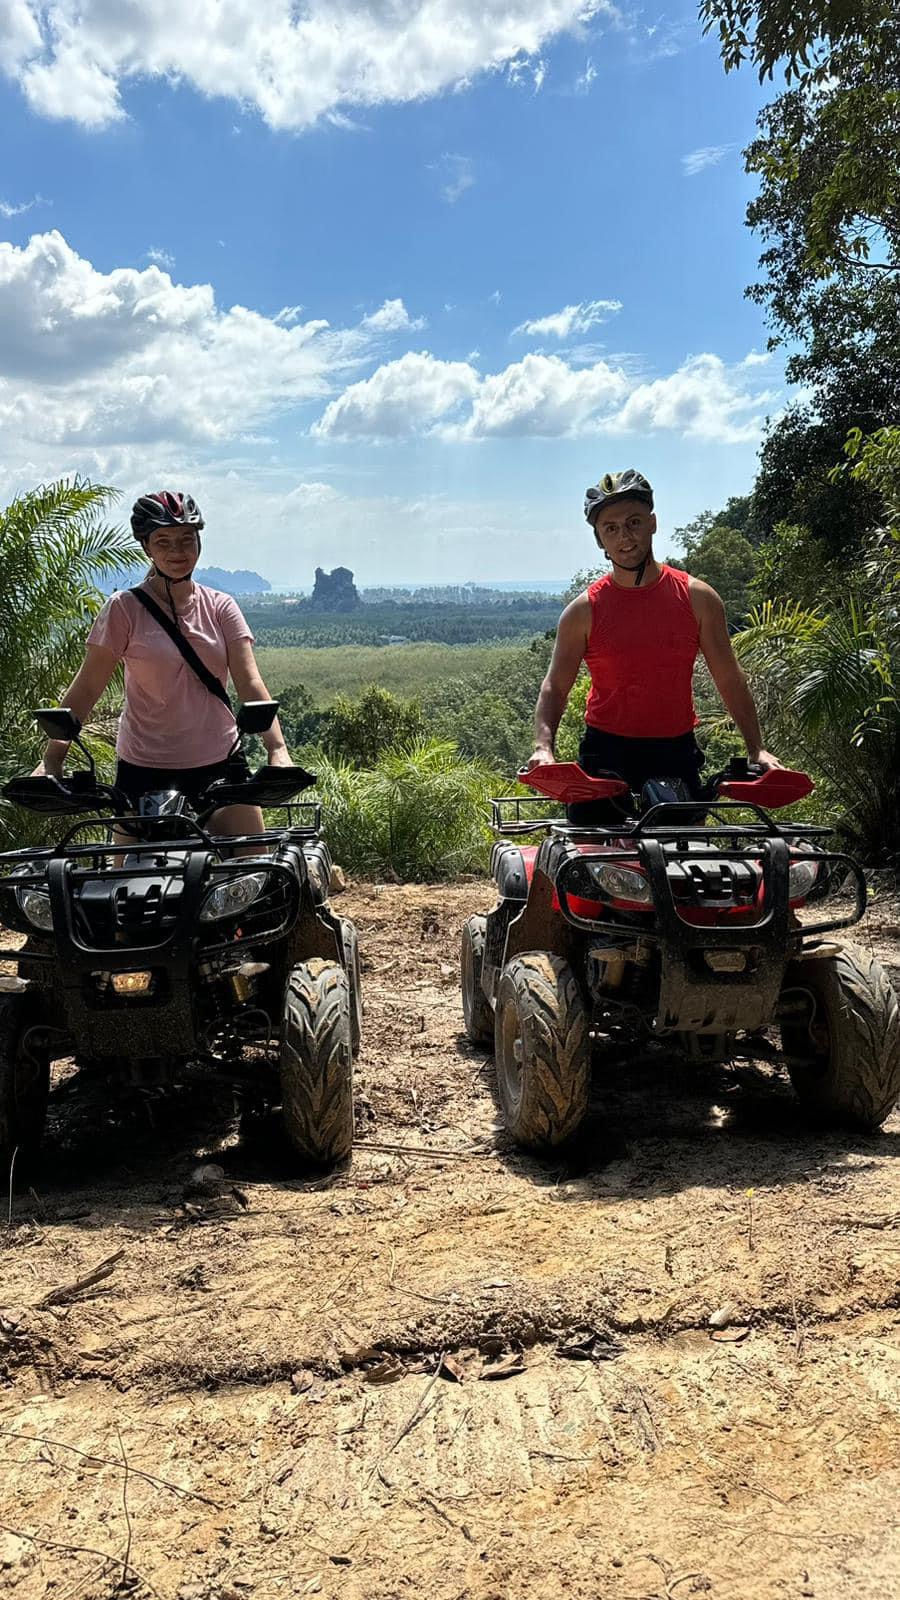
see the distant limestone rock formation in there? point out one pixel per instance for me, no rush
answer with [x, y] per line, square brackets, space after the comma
[239, 582]
[335, 591]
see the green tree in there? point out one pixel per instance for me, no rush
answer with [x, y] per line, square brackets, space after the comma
[54, 546]
[828, 676]
[301, 719]
[844, 114]
[722, 557]
[418, 814]
[361, 730]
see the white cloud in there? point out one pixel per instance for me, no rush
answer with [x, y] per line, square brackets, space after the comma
[542, 395]
[392, 317]
[161, 258]
[704, 399]
[583, 83]
[401, 398]
[708, 156]
[457, 174]
[545, 396]
[100, 358]
[572, 319]
[294, 64]
[9, 208]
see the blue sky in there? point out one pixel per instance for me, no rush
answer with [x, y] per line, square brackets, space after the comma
[381, 285]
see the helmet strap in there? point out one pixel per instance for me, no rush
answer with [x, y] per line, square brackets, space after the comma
[640, 569]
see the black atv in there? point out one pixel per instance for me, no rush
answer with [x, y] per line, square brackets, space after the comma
[675, 927]
[151, 944]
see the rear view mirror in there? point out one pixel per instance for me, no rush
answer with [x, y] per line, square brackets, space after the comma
[57, 722]
[256, 716]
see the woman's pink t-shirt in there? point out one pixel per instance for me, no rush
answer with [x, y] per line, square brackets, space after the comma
[170, 719]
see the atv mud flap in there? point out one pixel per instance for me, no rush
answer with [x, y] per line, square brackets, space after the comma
[695, 998]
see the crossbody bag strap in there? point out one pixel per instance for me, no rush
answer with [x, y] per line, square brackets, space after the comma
[207, 678]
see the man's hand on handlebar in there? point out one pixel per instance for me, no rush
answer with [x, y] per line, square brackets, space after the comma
[768, 762]
[542, 757]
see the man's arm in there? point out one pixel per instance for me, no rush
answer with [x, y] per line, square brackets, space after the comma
[568, 653]
[727, 673]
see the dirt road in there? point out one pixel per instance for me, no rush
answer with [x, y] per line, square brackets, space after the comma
[248, 1405]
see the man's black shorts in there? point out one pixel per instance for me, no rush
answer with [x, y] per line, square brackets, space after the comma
[635, 760]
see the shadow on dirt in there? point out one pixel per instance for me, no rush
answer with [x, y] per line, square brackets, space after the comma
[671, 1125]
[116, 1153]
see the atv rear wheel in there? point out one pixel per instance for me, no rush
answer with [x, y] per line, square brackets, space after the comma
[846, 1050]
[24, 1087]
[317, 1062]
[542, 1051]
[354, 980]
[477, 1012]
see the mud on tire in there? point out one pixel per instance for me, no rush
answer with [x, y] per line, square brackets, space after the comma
[477, 1013]
[354, 979]
[317, 1062]
[542, 1051]
[850, 1040]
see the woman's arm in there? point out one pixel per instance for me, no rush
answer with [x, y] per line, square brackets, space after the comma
[82, 695]
[245, 676]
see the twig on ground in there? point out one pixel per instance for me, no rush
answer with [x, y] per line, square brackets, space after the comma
[456, 1526]
[126, 1559]
[414, 1418]
[106, 1461]
[798, 1331]
[73, 1549]
[422, 1150]
[70, 1291]
[12, 1169]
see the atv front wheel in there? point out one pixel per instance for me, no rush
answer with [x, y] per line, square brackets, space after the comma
[542, 1051]
[354, 980]
[845, 1050]
[24, 1086]
[317, 1062]
[477, 1013]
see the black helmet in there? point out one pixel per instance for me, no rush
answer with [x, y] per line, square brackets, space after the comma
[167, 509]
[627, 485]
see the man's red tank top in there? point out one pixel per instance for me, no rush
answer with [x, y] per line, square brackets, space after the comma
[640, 655]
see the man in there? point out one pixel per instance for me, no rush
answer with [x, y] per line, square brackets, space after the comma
[638, 631]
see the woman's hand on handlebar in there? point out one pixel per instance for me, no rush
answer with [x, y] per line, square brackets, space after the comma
[280, 756]
[48, 768]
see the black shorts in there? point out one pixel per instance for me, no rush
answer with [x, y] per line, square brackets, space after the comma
[635, 760]
[135, 781]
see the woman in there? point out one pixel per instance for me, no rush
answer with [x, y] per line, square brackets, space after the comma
[174, 732]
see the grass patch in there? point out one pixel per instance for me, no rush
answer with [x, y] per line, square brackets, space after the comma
[344, 669]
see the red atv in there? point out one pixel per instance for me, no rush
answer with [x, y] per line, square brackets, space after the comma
[696, 924]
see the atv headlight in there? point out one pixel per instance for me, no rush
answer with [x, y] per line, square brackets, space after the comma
[35, 905]
[621, 883]
[233, 896]
[801, 877]
[33, 902]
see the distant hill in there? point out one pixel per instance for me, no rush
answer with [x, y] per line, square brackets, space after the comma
[240, 582]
